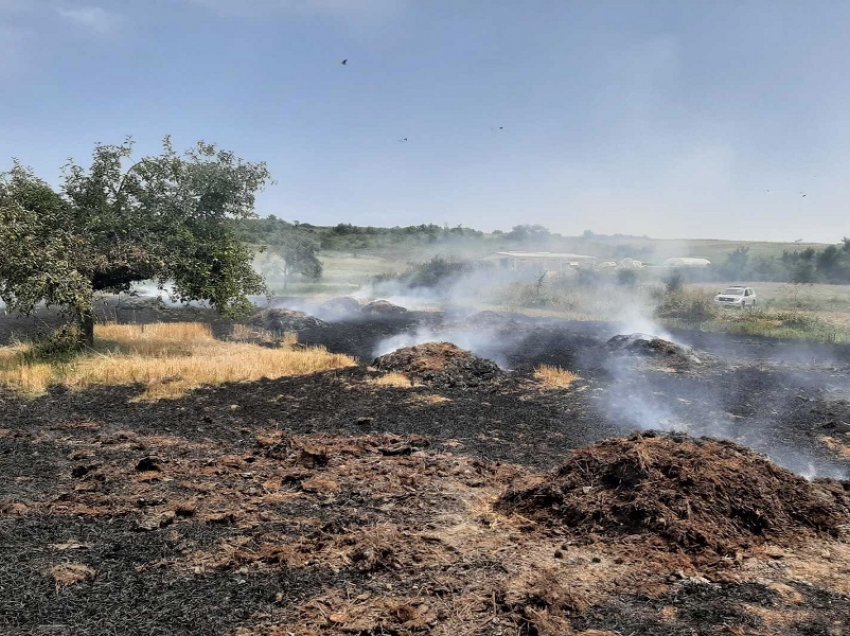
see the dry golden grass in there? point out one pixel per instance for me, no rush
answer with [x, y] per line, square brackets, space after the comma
[247, 333]
[169, 359]
[158, 339]
[67, 574]
[17, 371]
[429, 399]
[394, 379]
[553, 377]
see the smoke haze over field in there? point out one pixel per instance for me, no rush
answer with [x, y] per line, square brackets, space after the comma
[712, 398]
[664, 119]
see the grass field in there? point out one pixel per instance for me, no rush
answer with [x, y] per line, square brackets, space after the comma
[791, 297]
[343, 273]
[809, 312]
[392, 256]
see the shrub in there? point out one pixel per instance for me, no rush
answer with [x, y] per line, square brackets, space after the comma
[436, 272]
[588, 278]
[673, 283]
[627, 277]
[61, 344]
[690, 307]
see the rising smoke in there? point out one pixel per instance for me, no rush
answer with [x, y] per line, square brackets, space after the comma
[713, 399]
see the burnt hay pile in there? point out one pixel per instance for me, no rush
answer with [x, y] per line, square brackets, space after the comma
[383, 308]
[283, 320]
[653, 348]
[339, 308]
[699, 495]
[440, 365]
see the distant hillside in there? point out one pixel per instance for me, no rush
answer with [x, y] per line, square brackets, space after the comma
[421, 242]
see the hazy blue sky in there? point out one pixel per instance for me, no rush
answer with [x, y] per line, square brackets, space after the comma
[673, 119]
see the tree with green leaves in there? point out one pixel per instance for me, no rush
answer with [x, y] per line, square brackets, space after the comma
[292, 248]
[737, 265]
[168, 218]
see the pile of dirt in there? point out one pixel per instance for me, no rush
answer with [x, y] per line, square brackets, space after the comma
[699, 495]
[383, 308]
[441, 365]
[283, 320]
[653, 347]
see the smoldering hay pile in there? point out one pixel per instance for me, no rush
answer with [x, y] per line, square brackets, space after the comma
[383, 308]
[280, 320]
[440, 365]
[695, 495]
[348, 308]
[653, 348]
[338, 308]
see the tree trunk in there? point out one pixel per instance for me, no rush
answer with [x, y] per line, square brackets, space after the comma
[86, 321]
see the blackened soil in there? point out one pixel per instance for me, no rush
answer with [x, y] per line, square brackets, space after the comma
[505, 423]
[77, 452]
[125, 597]
[729, 609]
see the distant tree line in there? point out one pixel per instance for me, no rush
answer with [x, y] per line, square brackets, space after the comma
[345, 236]
[273, 232]
[300, 243]
[829, 265]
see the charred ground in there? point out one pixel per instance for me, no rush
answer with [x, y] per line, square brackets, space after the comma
[329, 504]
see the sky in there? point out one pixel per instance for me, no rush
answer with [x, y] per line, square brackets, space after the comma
[673, 119]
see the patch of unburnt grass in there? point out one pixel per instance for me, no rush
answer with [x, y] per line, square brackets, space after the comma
[554, 377]
[392, 379]
[167, 359]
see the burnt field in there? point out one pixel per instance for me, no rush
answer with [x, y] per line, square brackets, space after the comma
[333, 503]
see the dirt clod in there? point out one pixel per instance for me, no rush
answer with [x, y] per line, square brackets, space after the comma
[148, 464]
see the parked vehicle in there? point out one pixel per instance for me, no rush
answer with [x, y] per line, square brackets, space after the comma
[737, 296]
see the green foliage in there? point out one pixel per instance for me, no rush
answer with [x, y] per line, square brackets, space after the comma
[294, 246]
[830, 265]
[627, 277]
[792, 324]
[168, 217]
[62, 344]
[38, 260]
[529, 233]
[803, 272]
[737, 264]
[436, 272]
[673, 283]
[588, 277]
